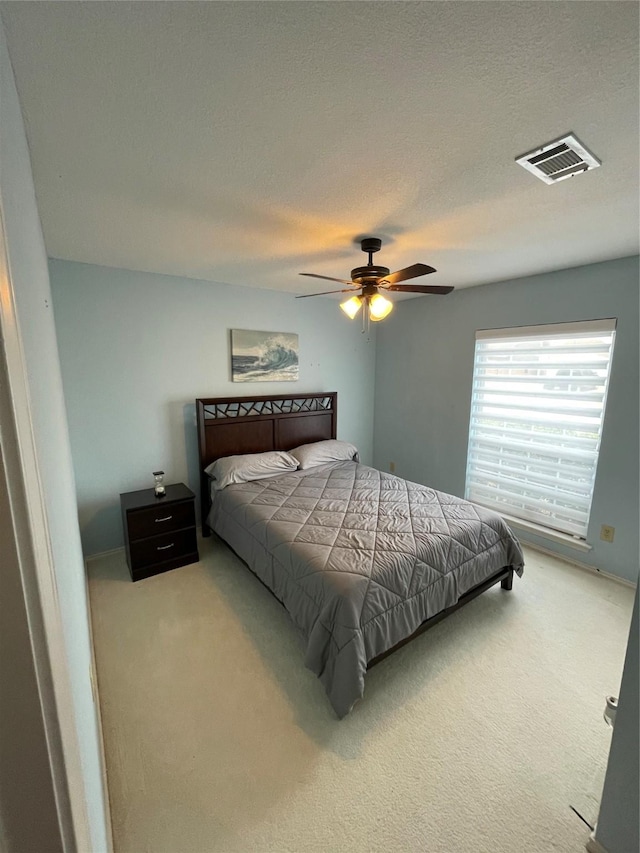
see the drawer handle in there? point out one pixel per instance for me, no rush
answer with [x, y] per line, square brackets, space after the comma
[168, 518]
[164, 547]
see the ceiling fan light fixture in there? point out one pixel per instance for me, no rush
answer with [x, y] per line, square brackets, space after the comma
[379, 307]
[351, 306]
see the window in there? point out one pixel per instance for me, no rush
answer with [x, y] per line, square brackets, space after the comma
[537, 409]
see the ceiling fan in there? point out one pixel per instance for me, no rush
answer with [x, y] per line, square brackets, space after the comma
[372, 280]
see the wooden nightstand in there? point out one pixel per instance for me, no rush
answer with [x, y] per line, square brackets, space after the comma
[159, 533]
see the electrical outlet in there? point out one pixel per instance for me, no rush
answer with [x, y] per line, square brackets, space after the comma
[607, 532]
[392, 467]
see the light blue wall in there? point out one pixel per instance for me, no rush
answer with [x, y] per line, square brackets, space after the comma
[137, 349]
[424, 373]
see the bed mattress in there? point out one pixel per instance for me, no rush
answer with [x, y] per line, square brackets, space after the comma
[359, 558]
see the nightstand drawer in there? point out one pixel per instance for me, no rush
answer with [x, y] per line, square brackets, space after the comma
[170, 546]
[160, 519]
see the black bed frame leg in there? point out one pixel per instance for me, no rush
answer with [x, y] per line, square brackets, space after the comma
[507, 583]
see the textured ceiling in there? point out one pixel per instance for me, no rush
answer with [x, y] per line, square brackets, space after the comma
[246, 142]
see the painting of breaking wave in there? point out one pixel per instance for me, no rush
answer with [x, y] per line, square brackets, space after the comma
[263, 356]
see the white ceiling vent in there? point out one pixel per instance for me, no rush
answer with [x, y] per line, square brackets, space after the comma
[560, 159]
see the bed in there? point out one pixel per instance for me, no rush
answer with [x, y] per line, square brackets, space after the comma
[362, 560]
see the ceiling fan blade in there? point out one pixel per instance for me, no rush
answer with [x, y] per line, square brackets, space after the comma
[329, 278]
[408, 272]
[420, 288]
[326, 292]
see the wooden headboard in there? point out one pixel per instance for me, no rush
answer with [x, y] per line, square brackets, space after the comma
[228, 426]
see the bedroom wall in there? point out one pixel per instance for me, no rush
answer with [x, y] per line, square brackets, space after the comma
[137, 349]
[424, 373]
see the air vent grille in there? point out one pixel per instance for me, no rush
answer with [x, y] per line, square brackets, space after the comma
[560, 159]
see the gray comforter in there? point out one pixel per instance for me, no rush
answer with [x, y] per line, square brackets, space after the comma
[359, 558]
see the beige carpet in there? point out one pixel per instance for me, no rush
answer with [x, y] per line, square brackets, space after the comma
[475, 738]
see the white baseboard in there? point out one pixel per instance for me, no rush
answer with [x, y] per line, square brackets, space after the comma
[584, 566]
[104, 553]
[594, 846]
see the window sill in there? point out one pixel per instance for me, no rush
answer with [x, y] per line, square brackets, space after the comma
[553, 535]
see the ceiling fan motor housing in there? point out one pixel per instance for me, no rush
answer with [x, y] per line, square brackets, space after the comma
[369, 273]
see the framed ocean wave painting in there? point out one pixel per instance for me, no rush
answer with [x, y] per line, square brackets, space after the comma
[263, 356]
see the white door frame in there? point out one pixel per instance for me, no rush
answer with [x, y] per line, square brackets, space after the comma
[38, 573]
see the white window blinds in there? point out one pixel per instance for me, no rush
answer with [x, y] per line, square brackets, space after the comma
[537, 409]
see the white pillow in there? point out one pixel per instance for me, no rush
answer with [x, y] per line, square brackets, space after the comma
[249, 466]
[321, 452]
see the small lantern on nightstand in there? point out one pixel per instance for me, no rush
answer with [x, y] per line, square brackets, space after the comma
[159, 486]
